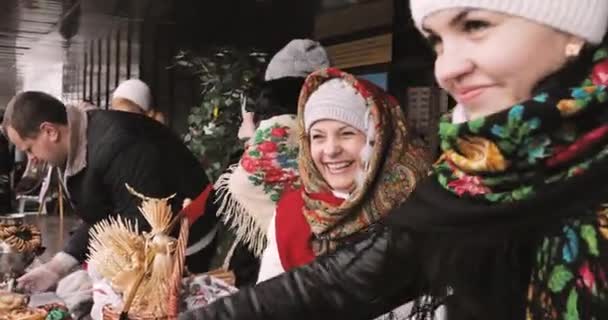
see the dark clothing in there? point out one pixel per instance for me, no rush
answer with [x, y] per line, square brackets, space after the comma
[245, 265]
[242, 261]
[358, 282]
[237, 256]
[511, 225]
[125, 148]
[6, 164]
[394, 264]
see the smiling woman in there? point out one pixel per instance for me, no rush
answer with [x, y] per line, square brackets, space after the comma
[356, 163]
[512, 224]
[338, 130]
[336, 148]
[489, 61]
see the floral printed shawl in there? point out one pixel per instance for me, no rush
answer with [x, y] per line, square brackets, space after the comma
[391, 174]
[516, 213]
[249, 191]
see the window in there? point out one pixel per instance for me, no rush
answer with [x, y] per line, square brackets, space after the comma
[379, 79]
[337, 4]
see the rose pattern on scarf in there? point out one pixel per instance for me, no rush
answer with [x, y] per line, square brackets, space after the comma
[247, 193]
[468, 184]
[570, 267]
[600, 71]
[272, 161]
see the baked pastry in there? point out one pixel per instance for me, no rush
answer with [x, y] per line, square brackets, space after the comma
[21, 238]
[26, 314]
[13, 306]
[11, 301]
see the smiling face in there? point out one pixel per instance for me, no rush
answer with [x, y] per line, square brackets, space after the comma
[489, 61]
[335, 148]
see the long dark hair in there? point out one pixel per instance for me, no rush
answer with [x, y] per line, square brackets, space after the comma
[277, 97]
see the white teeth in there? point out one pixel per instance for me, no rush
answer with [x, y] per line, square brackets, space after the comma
[337, 166]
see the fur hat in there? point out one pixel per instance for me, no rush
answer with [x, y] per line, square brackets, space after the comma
[298, 58]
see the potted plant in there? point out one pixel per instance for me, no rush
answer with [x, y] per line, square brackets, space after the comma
[228, 77]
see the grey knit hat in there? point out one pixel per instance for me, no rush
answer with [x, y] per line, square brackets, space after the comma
[587, 19]
[336, 99]
[298, 58]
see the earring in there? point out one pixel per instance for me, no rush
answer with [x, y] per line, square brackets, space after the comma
[573, 50]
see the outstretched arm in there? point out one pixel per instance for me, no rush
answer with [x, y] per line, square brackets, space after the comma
[360, 281]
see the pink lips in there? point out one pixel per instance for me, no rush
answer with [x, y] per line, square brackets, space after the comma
[467, 94]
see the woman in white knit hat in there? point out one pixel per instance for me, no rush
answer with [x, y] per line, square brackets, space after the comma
[512, 224]
[245, 196]
[356, 164]
[134, 95]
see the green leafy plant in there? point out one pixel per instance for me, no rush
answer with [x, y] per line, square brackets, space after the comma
[228, 77]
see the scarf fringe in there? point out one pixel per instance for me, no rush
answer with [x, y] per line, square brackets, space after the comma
[237, 218]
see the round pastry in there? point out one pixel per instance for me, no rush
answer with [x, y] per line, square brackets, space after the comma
[22, 238]
[27, 314]
[11, 301]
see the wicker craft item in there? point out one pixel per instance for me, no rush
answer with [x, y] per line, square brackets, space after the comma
[173, 304]
[145, 268]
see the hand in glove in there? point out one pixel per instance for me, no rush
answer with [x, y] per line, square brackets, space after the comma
[46, 276]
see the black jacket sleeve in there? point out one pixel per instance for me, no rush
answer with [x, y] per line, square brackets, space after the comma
[137, 165]
[77, 245]
[360, 281]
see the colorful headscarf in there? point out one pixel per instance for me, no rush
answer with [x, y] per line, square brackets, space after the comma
[516, 207]
[391, 173]
[248, 191]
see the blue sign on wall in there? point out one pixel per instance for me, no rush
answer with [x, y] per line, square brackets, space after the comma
[379, 79]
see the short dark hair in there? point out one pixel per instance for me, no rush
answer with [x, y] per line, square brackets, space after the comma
[27, 110]
[277, 97]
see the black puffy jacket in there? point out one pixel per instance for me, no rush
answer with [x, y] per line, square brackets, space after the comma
[361, 281]
[124, 147]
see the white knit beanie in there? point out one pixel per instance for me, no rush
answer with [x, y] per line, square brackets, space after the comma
[587, 19]
[136, 91]
[298, 58]
[336, 99]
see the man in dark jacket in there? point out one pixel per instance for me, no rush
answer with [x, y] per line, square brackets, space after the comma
[99, 152]
[6, 165]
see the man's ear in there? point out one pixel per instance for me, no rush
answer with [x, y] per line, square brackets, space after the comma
[51, 130]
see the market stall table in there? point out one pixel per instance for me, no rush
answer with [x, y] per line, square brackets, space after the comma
[54, 231]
